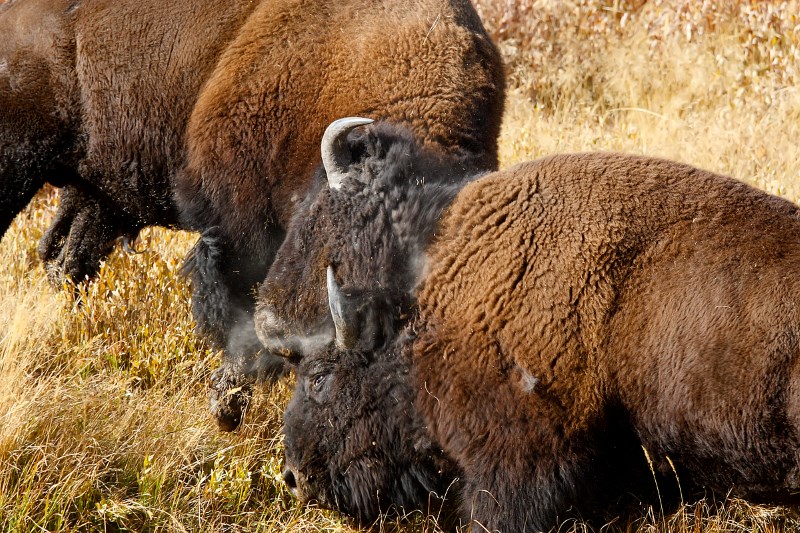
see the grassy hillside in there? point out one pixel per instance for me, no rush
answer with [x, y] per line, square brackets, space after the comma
[103, 421]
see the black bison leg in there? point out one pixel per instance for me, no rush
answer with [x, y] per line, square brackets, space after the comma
[16, 190]
[498, 493]
[570, 481]
[223, 300]
[81, 236]
[32, 141]
[560, 474]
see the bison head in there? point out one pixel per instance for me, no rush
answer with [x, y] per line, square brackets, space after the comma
[372, 210]
[336, 302]
[354, 439]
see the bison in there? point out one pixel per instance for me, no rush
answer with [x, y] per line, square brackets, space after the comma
[207, 116]
[530, 331]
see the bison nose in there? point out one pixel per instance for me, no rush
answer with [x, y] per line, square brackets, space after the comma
[288, 478]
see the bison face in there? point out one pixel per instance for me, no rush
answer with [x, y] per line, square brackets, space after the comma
[354, 440]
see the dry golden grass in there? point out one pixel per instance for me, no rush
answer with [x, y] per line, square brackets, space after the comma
[717, 86]
[103, 422]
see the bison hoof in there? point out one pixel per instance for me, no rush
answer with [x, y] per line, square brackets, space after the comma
[227, 400]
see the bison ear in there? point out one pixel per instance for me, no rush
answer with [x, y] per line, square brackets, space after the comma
[336, 157]
[346, 329]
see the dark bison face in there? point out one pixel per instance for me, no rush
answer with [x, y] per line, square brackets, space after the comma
[371, 211]
[354, 441]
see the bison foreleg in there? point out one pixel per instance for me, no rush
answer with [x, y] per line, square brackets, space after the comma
[15, 193]
[32, 139]
[521, 496]
[80, 237]
[222, 305]
[560, 474]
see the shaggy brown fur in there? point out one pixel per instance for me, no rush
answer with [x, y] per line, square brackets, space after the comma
[570, 311]
[575, 288]
[96, 96]
[208, 116]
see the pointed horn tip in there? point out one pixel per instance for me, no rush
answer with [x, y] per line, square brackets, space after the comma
[331, 285]
[343, 126]
[330, 279]
[349, 123]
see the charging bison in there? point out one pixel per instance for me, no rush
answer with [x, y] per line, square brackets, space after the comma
[208, 116]
[531, 332]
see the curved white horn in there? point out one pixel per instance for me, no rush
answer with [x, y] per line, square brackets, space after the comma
[335, 155]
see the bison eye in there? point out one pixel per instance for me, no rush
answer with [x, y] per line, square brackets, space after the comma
[318, 382]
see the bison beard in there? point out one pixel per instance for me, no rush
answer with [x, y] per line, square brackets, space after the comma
[571, 311]
[207, 116]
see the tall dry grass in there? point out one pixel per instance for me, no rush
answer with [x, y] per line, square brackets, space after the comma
[714, 84]
[103, 423]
